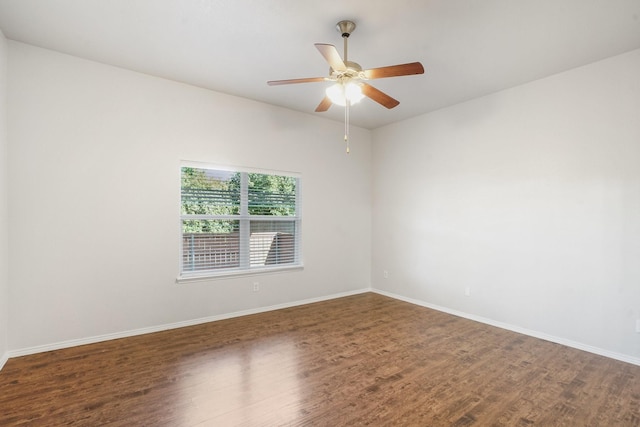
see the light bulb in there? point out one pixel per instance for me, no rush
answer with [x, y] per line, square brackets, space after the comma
[336, 94]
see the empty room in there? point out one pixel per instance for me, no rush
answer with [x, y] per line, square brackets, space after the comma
[297, 213]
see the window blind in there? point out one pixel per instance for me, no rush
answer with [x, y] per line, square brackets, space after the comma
[238, 221]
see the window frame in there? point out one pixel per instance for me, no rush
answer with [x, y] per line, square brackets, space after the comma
[244, 219]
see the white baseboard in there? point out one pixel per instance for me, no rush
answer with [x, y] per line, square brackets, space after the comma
[524, 331]
[165, 327]
[3, 359]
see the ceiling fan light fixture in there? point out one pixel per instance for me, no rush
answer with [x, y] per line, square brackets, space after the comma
[339, 93]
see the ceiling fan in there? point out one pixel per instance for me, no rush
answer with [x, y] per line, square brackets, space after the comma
[349, 77]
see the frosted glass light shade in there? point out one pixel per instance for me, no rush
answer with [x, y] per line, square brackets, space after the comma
[339, 93]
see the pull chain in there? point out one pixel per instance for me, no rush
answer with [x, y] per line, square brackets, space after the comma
[346, 124]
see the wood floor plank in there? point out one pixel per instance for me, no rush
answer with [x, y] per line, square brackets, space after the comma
[360, 360]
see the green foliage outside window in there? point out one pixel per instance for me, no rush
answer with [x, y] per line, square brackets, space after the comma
[207, 192]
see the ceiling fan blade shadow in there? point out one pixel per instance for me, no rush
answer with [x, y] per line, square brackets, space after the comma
[395, 70]
[331, 55]
[292, 81]
[379, 96]
[324, 105]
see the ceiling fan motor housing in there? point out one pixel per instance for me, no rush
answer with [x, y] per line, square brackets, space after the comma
[353, 71]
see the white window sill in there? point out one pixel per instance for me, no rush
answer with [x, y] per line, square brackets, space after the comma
[206, 276]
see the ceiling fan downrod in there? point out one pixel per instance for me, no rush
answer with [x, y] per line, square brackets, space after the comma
[345, 28]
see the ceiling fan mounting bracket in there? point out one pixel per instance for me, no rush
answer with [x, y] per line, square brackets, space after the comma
[345, 28]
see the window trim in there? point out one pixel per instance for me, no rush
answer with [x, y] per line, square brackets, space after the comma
[243, 270]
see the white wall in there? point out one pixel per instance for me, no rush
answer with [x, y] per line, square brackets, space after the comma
[94, 198]
[4, 191]
[529, 197]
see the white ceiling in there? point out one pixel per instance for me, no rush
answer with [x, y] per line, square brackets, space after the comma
[469, 48]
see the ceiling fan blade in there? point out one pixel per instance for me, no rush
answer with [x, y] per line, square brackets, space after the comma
[395, 70]
[379, 96]
[291, 81]
[324, 105]
[332, 56]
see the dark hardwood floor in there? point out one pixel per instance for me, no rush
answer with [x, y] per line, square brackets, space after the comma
[359, 360]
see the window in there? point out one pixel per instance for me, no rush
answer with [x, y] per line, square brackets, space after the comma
[236, 221]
